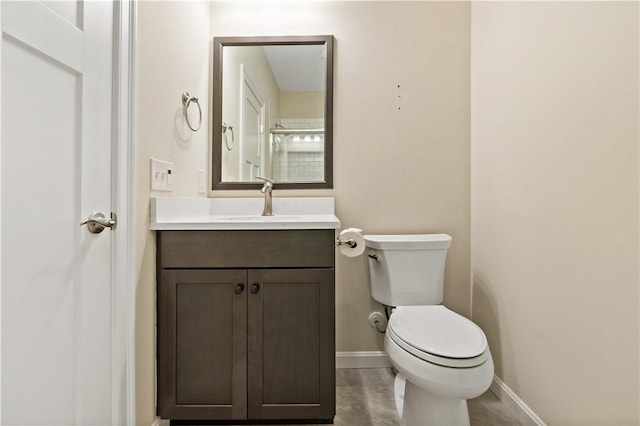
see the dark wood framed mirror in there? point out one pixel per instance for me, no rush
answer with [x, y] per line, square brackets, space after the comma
[272, 113]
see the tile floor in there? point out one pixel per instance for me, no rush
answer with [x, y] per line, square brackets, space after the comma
[365, 397]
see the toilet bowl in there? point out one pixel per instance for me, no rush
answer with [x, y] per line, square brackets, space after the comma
[442, 358]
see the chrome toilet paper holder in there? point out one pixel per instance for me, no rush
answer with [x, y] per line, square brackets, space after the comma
[350, 242]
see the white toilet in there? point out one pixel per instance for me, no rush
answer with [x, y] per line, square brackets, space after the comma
[442, 358]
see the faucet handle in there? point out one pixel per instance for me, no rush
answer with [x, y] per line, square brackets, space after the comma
[268, 183]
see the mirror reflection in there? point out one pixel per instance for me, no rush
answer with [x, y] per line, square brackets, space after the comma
[274, 114]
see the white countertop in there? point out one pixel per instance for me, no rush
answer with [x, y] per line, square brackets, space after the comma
[170, 213]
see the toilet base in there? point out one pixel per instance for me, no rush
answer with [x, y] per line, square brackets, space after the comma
[399, 384]
[416, 407]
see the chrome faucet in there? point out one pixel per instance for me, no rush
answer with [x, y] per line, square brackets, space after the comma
[266, 190]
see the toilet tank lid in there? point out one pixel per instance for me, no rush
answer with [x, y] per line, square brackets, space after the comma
[408, 241]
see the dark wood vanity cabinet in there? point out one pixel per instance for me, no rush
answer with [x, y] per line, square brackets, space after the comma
[246, 325]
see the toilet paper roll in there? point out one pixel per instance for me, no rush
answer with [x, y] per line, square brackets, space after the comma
[351, 242]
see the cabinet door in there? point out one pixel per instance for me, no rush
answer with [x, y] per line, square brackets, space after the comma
[291, 365]
[202, 330]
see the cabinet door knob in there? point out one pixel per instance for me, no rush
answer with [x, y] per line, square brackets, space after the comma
[255, 288]
[239, 288]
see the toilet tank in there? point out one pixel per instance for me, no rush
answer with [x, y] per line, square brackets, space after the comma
[407, 269]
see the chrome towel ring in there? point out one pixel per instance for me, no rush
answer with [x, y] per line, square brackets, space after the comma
[226, 127]
[187, 99]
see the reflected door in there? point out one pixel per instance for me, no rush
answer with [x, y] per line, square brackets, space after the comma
[252, 132]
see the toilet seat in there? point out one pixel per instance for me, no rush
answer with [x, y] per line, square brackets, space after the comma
[437, 335]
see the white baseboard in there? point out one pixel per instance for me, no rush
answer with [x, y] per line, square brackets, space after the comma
[157, 422]
[362, 359]
[522, 411]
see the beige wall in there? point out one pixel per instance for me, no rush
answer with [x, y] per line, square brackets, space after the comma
[401, 129]
[555, 204]
[172, 56]
[302, 104]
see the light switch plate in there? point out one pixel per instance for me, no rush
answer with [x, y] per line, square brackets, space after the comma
[162, 175]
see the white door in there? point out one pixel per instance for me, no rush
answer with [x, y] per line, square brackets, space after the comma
[56, 89]
[252, 132]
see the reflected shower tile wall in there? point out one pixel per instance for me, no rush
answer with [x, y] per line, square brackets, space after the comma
[305, 166]
[299, 165]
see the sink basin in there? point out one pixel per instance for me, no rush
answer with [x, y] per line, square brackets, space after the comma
[231, 214]
[250, 218]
